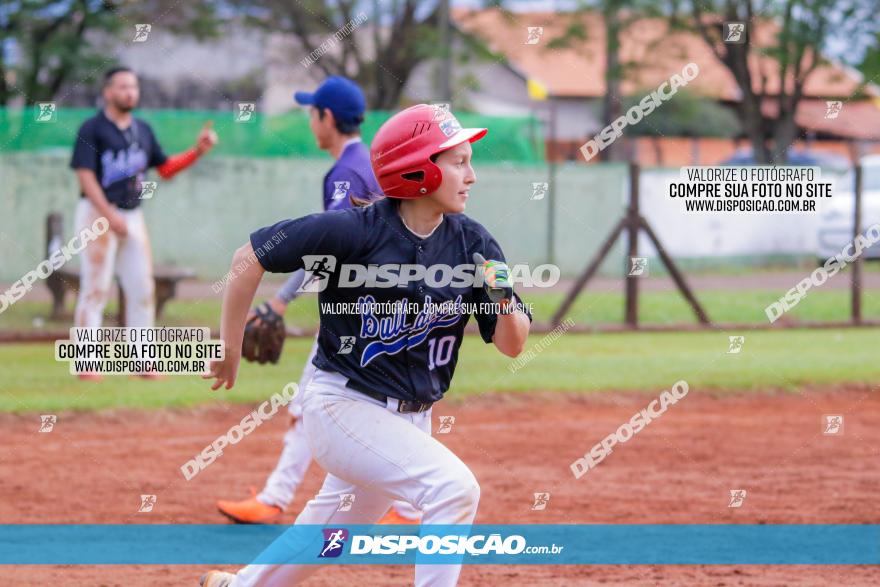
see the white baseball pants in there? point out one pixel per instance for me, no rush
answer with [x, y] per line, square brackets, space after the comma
[128, 257]
[378, 455]
[296, 456]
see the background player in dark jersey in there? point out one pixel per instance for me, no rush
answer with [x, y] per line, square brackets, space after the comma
[367, 412]
[336, 113]
[112, 153]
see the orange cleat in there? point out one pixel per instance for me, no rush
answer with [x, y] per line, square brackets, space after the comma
[249, 511]
[393, 517]
[90, 377]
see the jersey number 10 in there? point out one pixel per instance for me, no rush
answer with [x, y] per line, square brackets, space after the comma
[440, 352]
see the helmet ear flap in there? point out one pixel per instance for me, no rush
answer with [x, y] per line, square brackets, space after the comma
[429, 177]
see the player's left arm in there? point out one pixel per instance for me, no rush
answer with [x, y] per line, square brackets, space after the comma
[510, 326]
[168, 167]
[511, 333]
[237, 300]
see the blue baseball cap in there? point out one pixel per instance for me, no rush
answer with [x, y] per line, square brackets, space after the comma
[340, 95]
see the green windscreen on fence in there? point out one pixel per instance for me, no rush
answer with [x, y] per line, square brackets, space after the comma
[516, 139]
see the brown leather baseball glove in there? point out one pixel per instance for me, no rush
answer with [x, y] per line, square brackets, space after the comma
[264, 336]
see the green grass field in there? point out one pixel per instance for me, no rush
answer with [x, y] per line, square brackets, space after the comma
[780, 360]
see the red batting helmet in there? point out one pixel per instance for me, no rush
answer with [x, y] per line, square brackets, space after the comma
[401, 151]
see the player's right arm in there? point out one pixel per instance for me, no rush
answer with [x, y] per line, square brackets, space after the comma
[281, 248]
[236, 301]
[88, 184]
[84, 161]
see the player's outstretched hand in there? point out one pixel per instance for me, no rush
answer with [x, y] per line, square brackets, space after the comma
[496, 278]
[224, 372]
[207, 138]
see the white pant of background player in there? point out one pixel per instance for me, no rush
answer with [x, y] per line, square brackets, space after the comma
[371, 450]
[296, 456]
[128, 257]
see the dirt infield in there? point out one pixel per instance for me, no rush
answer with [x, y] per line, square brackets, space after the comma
[92, 468]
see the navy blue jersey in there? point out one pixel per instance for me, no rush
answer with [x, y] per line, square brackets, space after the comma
[351, 175]
[404, 355]
[119, 157]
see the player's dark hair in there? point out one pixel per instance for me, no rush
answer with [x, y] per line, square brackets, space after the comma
[374, 197]
[346, 128]
[360, 202]
[108, 75]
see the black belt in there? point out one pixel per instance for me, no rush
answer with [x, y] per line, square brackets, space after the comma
[403, 406]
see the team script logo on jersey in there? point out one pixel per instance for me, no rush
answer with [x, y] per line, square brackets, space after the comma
[398, 331]
[334, 541]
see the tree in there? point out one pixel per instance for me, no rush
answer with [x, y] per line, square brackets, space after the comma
[804, 29]
[404, 33]
[617, 17]
[46, 43]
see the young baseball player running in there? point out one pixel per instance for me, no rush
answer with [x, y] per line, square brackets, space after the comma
[367, 413]
[112, 153]
[336, 113]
